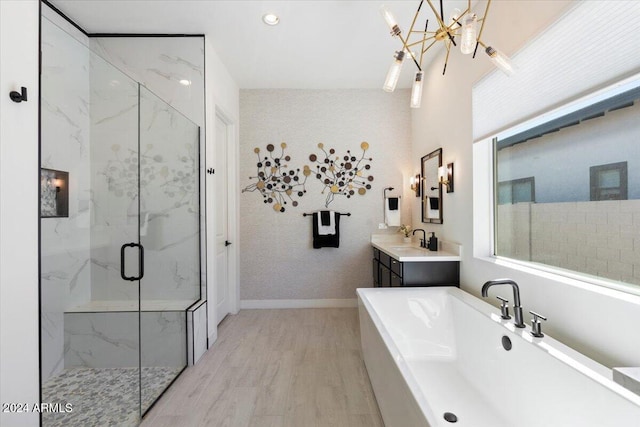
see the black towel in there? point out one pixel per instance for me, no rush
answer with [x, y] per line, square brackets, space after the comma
[328, 241]
[434, 203]
[393, 203]
[325, 217]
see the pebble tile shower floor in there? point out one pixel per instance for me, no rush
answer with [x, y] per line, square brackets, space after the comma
[103, 397]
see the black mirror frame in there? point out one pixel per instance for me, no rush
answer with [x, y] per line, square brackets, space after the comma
[427, 187]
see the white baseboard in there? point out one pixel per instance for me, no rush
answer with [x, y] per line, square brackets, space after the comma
[298, 303]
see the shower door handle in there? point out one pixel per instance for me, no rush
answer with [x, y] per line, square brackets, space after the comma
[123, 248]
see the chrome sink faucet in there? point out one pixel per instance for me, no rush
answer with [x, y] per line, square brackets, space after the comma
[517, 308]
[423, 241]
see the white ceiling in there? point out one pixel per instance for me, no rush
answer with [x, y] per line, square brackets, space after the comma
[319, 44]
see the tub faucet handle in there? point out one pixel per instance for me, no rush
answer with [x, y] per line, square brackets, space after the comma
[504, 308]
[536, 326]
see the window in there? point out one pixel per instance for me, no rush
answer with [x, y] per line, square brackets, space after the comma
[568, 190]
[517, 191]
[609, 182]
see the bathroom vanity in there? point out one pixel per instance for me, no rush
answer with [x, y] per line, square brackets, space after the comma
[398, 264]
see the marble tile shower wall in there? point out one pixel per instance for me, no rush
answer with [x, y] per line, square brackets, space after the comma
[65, 255]
[110, 340]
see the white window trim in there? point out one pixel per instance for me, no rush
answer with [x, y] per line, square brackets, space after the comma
[483, 202]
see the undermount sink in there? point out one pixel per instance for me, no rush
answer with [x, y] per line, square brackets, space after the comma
[406, 248]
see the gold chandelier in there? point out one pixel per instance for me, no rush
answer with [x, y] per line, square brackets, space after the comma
[460, 28]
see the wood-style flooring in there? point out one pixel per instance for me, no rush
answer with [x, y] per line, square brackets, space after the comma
[276, 368]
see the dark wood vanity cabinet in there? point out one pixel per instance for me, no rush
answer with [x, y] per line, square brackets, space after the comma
[389, 272]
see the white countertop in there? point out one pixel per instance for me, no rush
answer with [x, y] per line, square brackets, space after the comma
[412, 252]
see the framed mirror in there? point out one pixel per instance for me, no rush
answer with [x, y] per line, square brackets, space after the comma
[431, 188]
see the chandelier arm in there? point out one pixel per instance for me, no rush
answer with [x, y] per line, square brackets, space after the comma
[427, 48]
[446, 59]
[433, 33]
[451, 38]
[476, 49]
[420, 41]
[435, 12]
[415, 17]
[404, 43]
[423, 41]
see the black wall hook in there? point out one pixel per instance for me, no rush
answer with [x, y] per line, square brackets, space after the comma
[18, 96]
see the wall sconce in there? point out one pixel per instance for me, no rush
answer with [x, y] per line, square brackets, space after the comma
[415, 184]
[445, 176]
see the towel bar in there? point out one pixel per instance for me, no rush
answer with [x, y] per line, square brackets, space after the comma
[337, 213]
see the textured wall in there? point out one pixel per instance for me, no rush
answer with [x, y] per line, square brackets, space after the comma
[277, 258]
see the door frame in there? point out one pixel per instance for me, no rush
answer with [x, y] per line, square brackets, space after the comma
[232, 219]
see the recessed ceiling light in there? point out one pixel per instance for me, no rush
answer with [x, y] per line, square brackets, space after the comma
[185, 82]
[270, 19]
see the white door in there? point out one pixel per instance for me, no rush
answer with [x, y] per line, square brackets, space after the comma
[222, 234]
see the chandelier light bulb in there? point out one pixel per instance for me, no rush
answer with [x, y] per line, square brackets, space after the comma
[455, 14]
[390, 20]
[469, 34]
[500, 60]
[394, 72]
[416, 90]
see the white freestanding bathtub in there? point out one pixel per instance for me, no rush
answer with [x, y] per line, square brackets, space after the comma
[436, 351]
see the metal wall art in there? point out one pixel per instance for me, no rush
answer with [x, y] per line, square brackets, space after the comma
[343, 175]
[278, 183]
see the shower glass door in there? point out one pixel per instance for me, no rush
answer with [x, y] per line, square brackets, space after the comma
[169, 233]
[120, 261]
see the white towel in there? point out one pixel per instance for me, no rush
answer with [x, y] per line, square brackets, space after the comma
[393, 217]
[325, 230]
[431, 213]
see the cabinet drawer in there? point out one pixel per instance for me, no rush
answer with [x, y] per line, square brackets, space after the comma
[376, 253]
[396, 280]
[384, 275]
[396, 267]
[385, 260]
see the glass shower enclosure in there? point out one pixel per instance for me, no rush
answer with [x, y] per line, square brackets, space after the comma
[121, 266]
